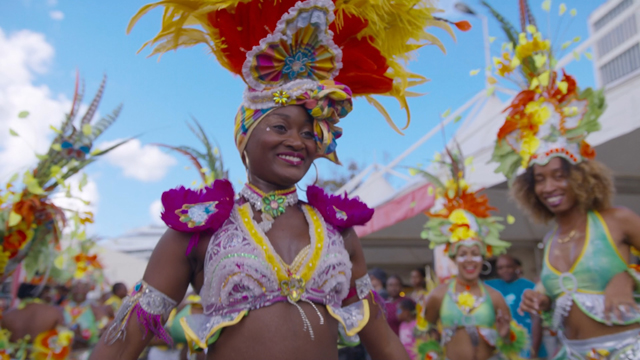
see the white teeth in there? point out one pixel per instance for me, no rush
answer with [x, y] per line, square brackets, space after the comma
[290, 158]
[554, 199]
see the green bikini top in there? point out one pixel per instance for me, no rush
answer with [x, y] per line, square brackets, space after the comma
[587, 279]
[462, 310]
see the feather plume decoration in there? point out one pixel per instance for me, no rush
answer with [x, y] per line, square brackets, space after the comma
[377, 38]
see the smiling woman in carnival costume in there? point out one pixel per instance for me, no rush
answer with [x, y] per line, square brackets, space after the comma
[475, 321]
[278, 278]
[588, 282]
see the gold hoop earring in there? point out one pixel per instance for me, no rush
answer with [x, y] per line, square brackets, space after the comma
[246, 161]
[315, 182]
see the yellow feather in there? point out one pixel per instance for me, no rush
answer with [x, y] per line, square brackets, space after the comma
[384, 112]
[397, 28]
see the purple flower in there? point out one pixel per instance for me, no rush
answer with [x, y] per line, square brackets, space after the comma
[339, 210]
[189, 210]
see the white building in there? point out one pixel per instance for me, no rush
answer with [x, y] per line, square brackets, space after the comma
[138, 242]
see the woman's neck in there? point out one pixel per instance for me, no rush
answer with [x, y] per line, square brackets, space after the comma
[265, 186]
[465, 282]
[570, 219]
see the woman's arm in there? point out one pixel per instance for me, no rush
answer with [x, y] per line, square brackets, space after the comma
[433, 304]
[169, 272]
[503, 314]
[536, 335]
[377, 337]
[624, 227]
[629, 222]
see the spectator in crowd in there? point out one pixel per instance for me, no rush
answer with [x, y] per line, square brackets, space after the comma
[118, 292]
[394, 288]
[419, 285]
[407, 315]
[379, 281]
[511, 286]
[32, 317]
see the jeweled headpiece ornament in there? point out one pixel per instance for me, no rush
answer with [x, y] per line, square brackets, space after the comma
[313, 53]
[464, 216]
[550, 117]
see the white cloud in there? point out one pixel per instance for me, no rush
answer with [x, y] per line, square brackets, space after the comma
[56, 15]
[155, 210]
[24, 55]
[52, 2]
[142, 162]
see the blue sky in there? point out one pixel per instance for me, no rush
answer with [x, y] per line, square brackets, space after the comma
[159, 96]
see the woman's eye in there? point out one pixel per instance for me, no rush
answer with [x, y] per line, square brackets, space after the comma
[280, 127]
[307, 135]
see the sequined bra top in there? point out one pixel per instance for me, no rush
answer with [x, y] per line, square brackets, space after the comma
[243, 271]
[581, 284]
[463, 310]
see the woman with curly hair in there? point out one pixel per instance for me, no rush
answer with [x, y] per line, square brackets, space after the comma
[587, 278]
[586, 255]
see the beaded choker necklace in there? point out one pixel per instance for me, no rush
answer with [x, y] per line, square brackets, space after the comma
[271, 204]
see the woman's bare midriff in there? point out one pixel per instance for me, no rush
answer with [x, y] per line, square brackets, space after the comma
[578, 326]
[276, 333]
[459, 348]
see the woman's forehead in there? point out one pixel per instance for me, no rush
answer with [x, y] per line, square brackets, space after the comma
[553, 165]
[291, 113]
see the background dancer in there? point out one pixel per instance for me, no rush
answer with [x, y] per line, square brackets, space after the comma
[588, 282]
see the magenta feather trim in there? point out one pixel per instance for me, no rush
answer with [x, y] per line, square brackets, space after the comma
[193, 241]
[339, 210]
[194, 211]
[152, 323]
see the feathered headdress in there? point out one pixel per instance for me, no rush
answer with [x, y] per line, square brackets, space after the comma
[30, 223]
[550, 117]
[464, 217]
[314, 53]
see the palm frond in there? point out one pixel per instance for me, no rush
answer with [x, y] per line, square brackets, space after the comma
[194, 152]
[191, 157]
[430, 177]
[214, 161]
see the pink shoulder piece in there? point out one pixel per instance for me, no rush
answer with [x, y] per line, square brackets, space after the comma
[198, 210]
[337, 210]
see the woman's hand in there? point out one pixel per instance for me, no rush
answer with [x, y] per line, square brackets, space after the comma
[618, 297]
[503, 325]
[534, 302]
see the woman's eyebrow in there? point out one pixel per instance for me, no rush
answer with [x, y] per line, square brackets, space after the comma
[285, 116]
